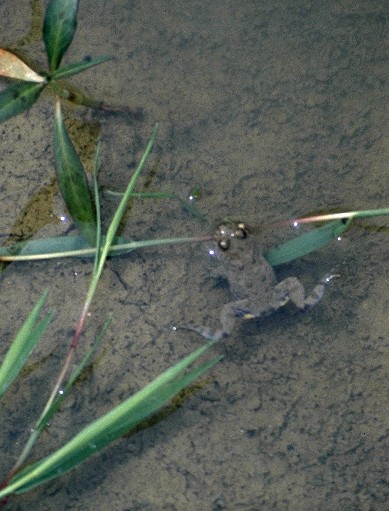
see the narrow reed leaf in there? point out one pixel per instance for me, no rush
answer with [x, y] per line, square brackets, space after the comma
[96, 169]
[18, 98]
[78, 67]
[121, 209]
[77, 246]
[12, 66]
[23, 344]
[58, 29]
[190, 208]
[367, 213]
[112, 425]
[72, 180]
[46, 417]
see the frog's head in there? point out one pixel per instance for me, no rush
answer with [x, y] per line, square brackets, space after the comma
[227, 233]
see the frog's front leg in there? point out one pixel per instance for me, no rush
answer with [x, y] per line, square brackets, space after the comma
[291, 289]
[227, 319]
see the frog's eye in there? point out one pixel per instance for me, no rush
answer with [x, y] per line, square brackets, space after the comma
[241, 231]
[224, 244]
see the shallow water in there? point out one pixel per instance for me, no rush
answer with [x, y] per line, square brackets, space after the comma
[275, 111]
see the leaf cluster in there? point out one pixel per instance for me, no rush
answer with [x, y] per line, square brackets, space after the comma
[58, 31]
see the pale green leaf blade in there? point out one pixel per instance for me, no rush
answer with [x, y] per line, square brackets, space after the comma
[111, 425]
[23, 344]
[77, 246]
[58, 29]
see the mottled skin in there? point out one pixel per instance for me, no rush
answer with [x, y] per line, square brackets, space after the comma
[252, 282]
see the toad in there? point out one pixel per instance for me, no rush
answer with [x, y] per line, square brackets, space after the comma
[252, 282]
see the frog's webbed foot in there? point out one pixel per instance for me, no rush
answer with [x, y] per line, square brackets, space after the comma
[291, 289]
[204, 331]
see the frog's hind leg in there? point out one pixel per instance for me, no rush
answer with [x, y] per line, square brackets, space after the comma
[291, 289]
[227, 319]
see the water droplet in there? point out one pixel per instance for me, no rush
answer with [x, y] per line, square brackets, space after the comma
[194, 194]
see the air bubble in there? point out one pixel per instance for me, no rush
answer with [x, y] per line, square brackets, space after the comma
[194, 194]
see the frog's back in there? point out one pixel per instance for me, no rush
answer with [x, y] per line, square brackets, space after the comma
[248, 273]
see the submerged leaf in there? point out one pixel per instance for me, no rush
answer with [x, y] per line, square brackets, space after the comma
[306, 243]
[72, 180]
[12, 66]
[58, 29]
[18, 98]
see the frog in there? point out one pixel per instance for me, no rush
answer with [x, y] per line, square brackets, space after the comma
[252, 282]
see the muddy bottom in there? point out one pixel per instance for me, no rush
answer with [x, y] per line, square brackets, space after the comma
[274, 110]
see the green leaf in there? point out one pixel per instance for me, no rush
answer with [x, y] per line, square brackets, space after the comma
[112, 425]
[72, 180]
[23, 344]
[78, 67]
[58, 29]
[18, 98]
[306, 243]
